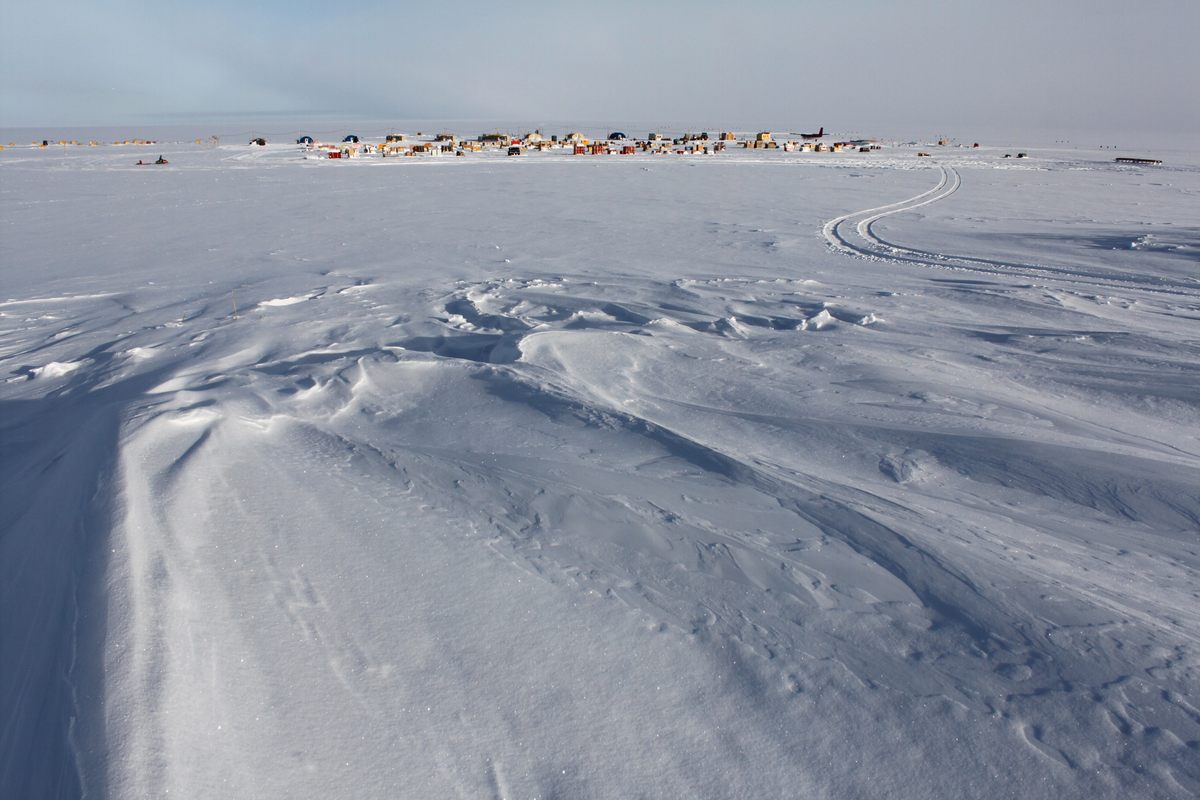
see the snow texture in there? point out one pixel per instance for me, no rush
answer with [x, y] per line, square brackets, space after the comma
[599, 477]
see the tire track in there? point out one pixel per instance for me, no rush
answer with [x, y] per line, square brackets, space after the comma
[869, 244]
[832, 230]
[863, 227]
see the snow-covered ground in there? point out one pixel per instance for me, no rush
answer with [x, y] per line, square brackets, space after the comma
[755, 475]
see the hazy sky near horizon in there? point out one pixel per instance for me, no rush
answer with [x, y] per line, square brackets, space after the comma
[1049, 64]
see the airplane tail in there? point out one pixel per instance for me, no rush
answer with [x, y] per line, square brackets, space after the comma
[822, 131]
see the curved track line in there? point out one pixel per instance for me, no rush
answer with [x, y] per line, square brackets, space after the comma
[831, 230]
[873, 246]
[1012, 268]
[864, 226]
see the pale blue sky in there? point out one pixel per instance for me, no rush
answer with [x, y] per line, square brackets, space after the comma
[1051, 64]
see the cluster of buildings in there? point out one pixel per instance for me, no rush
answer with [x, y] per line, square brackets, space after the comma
[576, 143]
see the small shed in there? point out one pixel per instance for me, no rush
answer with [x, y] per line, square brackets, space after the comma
[763, 136]
[514, 151]
[304, 140]
[617, 136]
[351, 138]
[394, 137]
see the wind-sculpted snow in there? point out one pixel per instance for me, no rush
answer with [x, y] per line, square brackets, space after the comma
[516, 494]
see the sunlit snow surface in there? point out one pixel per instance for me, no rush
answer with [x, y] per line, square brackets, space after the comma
[599, 477]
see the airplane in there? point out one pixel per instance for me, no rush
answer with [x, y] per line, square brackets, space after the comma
[819, 134]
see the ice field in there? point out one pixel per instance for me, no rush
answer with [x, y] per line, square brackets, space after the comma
[744, 476]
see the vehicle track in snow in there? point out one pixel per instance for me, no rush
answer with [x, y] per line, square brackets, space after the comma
[838, 240]
[854, 234]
